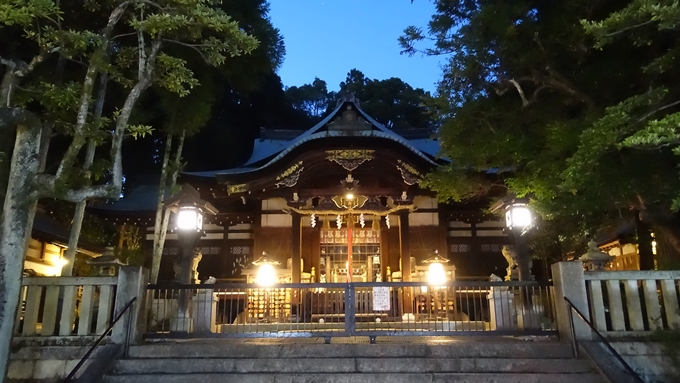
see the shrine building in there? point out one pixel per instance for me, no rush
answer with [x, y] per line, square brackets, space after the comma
[303, 195]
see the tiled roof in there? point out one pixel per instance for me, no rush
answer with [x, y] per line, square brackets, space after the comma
[268, 151]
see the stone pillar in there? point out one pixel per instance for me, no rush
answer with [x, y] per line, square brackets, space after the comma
[132, 281]
[502, 313]
[204, 306]
[296, 251]
[569, 282]
[405, 251]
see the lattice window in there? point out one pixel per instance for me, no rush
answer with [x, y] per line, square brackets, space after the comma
[214, 250]
[491, 247]
[170, 250]
[459, 248]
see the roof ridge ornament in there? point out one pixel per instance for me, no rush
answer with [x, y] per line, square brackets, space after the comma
[349, 121]
[347, 96]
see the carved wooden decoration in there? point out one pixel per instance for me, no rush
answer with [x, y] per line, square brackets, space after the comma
[408, 173]
[290, 177]
[349, 159]
[233, 189]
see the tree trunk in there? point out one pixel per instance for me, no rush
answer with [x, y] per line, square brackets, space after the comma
[19, 211]
[157, 227]
[79, 212]
[9, 81]
[161, 228]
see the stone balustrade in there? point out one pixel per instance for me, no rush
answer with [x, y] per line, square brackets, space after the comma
[65, 306]
[72, 308]
[625, 302]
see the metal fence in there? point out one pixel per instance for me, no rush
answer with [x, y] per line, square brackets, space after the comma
[354, 309]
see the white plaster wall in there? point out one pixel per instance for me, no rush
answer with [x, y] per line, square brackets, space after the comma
[498, 223]
[277, 220]
[423, 219]
[241, 226]
[460, 233]
[490, 233]
[274, 204]
[458, 224]
[422, 202]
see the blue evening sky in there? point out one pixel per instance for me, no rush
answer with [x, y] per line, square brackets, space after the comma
[327, 38]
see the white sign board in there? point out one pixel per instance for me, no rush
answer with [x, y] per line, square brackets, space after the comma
[381, 298]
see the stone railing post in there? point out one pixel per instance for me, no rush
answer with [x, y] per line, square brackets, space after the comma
[132, 281]
[569, 282]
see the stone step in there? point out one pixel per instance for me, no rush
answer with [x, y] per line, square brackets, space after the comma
[349, 365]
[357, 378]
[551, 350]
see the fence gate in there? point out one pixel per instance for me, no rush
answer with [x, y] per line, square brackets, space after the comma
[356, 309]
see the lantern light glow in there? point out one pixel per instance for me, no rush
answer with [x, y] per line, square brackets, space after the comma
[266, 275]
[436, 275]
[518, 216]
[189, 219]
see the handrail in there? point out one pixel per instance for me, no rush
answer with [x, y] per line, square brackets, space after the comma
[127, 307]
[606, 343]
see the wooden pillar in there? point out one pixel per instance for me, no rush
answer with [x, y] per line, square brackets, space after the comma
[384, 250]
[226, 249]
[405, 251]
[315, 243]
[443, 232]
[405, 246]
[296, 242]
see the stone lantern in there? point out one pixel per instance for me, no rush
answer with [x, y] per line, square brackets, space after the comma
[107, 264]
[189, 211]
[594, 259]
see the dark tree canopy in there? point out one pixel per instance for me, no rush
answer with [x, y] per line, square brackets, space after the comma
[545, 95]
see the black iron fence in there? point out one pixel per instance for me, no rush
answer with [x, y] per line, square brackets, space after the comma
[334, 309]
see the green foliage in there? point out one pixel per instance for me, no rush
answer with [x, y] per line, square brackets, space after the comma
[24, 12]
[153, 40]
[554, 100]
[314, 99]
[139, 131]
[391, 102]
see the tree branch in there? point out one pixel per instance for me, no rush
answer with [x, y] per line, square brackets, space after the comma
[520, 91]
[629, 28]
[192, 46]
[79, 138]
[646, 116]
[123, 35]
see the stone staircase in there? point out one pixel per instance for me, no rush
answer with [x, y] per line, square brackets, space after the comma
[470, 361]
